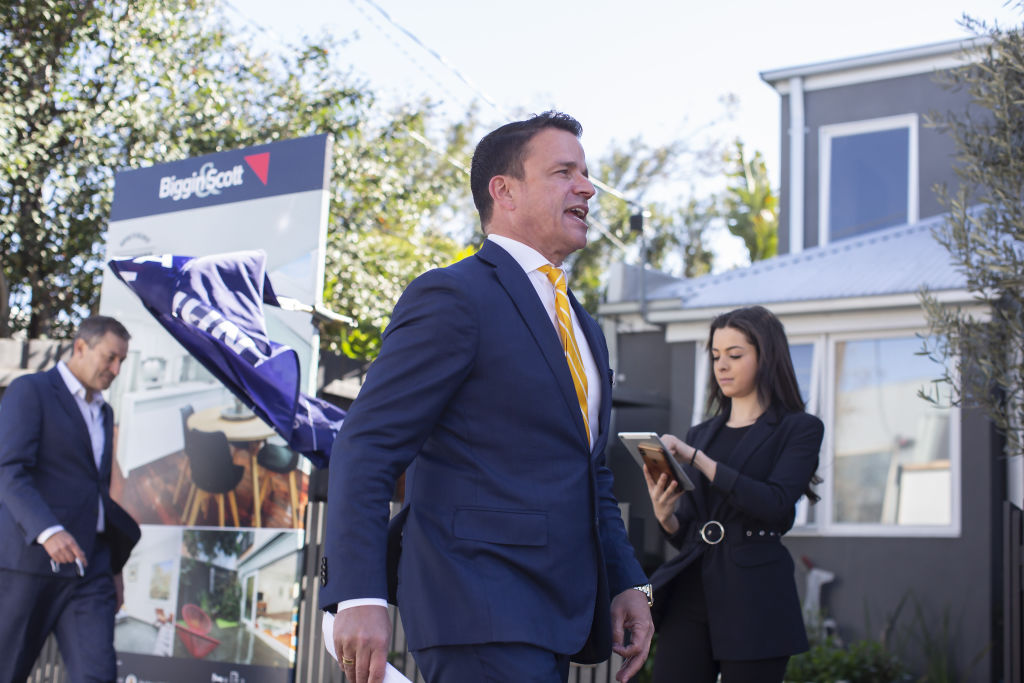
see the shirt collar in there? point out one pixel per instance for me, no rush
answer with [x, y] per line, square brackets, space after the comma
[528, 258]
[75, 387]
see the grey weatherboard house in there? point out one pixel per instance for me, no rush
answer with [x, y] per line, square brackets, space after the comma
[914, 496]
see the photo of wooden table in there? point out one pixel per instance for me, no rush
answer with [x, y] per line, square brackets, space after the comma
[249, 432]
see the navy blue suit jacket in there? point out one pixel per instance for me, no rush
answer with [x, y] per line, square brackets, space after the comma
[511, 532]
[48, 476]
[753, 608]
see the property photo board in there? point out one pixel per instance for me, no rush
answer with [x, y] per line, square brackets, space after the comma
[211, 591]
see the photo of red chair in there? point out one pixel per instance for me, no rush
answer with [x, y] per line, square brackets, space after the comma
[194, 634]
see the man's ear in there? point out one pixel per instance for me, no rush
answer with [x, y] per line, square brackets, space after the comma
[502, 192]
[78, 347]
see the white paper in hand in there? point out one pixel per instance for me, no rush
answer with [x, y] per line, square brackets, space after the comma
[391, 675]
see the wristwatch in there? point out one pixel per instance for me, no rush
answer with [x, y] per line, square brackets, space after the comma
[648, 591]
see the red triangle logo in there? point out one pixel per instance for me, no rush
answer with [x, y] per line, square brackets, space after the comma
[260, 164]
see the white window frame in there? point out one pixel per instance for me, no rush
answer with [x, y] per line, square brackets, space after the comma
[827, 133]
[801, 523]
[821, 402]
[825, 523]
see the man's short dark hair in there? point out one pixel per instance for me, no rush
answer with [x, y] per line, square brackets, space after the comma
[93, 328]
[502, 152]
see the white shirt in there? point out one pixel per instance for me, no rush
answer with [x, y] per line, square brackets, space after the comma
[529, 259]
[92, 413]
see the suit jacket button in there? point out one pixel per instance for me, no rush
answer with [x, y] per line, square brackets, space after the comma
[323, 571]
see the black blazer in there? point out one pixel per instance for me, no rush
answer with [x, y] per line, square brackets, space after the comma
[753, 608]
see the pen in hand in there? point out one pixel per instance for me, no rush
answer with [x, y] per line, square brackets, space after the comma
[79, 568]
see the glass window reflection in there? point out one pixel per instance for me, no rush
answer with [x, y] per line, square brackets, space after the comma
[891, 447]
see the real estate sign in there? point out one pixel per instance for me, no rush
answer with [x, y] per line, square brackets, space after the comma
[211, 591]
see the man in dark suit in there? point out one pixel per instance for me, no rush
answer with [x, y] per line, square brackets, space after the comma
[492, 392]
[64, 539]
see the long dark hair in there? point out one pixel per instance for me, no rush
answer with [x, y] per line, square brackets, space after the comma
[775, 378]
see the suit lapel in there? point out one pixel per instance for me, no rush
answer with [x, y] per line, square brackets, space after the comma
[70, 406]
[751, 441]
[107, 460]
[524, 297]
[595, 340]
[701, 494]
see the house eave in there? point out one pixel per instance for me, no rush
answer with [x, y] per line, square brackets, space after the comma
[666, 311]
[888, 64]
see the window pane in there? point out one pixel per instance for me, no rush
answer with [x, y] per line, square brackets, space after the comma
[891, 447]
[803, 358]
[868, 182]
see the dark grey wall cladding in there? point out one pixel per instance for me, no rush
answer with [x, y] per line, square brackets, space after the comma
[920, 94]
[935, 578]
[643, 382]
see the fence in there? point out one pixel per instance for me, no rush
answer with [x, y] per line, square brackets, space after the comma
[1013, 593]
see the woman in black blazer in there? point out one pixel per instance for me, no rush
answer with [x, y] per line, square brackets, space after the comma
[727, 603]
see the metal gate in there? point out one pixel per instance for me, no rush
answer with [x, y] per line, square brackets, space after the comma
[1013, 593]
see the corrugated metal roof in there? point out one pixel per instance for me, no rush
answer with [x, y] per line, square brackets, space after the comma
[896, 260]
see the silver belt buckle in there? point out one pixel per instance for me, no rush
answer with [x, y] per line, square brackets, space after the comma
[710, 526]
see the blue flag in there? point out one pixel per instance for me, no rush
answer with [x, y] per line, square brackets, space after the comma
[213, 306]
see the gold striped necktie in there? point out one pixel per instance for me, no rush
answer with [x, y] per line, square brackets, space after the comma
[572, 351]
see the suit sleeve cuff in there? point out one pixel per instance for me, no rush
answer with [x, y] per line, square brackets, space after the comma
[47, 533]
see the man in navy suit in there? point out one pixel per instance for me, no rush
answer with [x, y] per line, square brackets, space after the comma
[64, 540]
[513, 557]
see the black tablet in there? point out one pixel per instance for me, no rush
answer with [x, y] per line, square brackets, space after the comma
[647, 449]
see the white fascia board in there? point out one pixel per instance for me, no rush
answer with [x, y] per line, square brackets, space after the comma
[893, 312]
[873, 67]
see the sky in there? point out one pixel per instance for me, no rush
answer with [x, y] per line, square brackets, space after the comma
[654, 69]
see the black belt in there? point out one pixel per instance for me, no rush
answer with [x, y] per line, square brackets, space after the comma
[714, 532]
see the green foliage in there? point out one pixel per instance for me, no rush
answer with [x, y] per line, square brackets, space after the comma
[87, 88]
[226, 603]
[206, 544]
[865, 661]
[673, 229]
[984, 235]
[750, 206]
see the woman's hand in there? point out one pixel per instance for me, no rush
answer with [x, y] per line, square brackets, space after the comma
[664, 495]
[679, 448]
[688, 455]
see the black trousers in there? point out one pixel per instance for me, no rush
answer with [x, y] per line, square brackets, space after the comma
[684, 642]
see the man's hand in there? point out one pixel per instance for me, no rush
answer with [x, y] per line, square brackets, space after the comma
[630, 612]
[361, 638]
[63, 549]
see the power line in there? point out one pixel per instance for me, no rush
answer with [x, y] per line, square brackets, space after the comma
[592, 221]
[447, 65]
